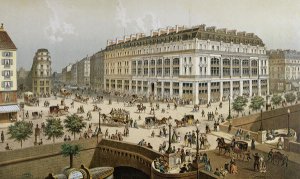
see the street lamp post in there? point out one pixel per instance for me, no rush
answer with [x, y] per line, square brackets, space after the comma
[99, 130]
[268, 102]
[261, 124]
[229, 110]
[197, 150]
[289, 133]
[169, 149]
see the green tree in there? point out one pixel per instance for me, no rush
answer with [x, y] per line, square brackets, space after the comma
[256, 102]
[68, 150]
[74, 124]
[20, 131]
[276, 99]
[239, 103]
[54, 128]
[290, 97]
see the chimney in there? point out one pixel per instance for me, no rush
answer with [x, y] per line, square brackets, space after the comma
[2, 27]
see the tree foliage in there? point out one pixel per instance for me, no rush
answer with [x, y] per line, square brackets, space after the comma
[54, 128]
[20, 131]
[276, 99]
[256, 102]
[74, 124]
[239, 104]
[290, 97]
[68, 150]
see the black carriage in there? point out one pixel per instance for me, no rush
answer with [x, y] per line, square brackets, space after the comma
[150, 121]
[242, 145]
[188, 119]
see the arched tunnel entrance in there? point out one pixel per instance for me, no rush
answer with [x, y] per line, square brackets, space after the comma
[123, 172]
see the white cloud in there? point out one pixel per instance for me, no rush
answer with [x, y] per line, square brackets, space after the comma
[143, 23]
[58, 27]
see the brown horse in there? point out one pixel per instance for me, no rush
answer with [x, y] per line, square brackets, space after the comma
[162, 121]
[277, 156]
[179, 123]
[223, 145]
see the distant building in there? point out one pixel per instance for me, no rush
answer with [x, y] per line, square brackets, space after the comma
[97, 71]
[41, 73]
[8, 68]
[66, 74]
[83, 72]
[22, 78]
[284, 70]
[74, 74]
[201, 64]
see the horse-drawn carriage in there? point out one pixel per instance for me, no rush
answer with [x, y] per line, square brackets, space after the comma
[188, 119]
[153, 121]
[65, 93]
[58, 110]
[29, 99]
[150, 121]
[116, 117]
[96, 108]
[81, 98]
[98, 99]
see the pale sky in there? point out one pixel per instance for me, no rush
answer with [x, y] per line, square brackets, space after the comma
[72, 29]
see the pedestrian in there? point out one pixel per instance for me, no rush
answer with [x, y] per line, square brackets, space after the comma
[256, 162]
[229, 127]
[2, 137]
[253, 144]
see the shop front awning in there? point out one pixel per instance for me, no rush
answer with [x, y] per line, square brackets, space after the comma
[9, 108]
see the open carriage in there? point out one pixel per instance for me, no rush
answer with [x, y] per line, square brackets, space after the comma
[29, 99]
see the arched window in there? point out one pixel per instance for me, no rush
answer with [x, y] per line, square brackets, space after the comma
[254, 63]
[226, 62]
[214, 61]
[245, 63]
[236, 62]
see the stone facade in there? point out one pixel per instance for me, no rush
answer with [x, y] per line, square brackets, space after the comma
[201, 64]
[284, 70]
[66, 74]
[8, 77]
[41, 73]
[83, 72]
[97, 71]
[22, 76]
[74, 74]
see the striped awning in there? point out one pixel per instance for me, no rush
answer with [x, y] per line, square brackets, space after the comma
[9, 108]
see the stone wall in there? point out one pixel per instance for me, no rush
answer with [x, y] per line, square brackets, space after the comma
[115, 154]
[189, 175]
[274, 119]
[39, 161]
[294, 147]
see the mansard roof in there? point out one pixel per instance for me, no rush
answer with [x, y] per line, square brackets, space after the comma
[177, 33]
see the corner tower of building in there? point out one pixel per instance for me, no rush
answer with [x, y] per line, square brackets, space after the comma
[8, 78]
[41, 73]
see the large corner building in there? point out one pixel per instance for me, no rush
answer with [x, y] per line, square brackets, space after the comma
[201, 64]
[41, 73]
[8, 78]
[284, 70]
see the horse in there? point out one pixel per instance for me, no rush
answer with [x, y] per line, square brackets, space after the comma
[85, 100]
[196, 107]
[277, 156]
[223, 145]
[162, 121]
[141, 107]
[179, 123]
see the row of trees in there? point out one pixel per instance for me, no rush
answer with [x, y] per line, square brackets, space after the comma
[240, 102]
[22, 130]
